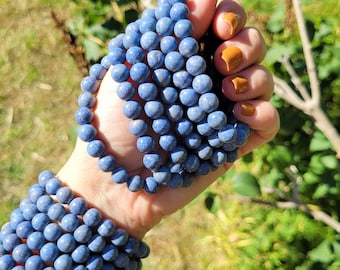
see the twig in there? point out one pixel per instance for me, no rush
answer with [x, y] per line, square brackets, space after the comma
[316, 214]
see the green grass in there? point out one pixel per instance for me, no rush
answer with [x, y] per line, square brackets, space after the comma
[38, 90]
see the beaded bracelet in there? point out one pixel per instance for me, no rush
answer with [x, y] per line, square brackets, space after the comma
[53, 229]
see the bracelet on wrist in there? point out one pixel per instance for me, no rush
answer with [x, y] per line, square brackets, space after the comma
[54, 229]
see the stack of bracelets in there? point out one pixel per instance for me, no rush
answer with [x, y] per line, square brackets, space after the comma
[170, 89]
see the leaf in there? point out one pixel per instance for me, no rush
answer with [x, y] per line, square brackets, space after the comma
[212, 202]
[321, 191]
[92, 50]
[319, 143]
[330, 162]
[246, 185]
[322, 253]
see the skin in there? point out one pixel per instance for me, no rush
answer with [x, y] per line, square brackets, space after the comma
[139, 212]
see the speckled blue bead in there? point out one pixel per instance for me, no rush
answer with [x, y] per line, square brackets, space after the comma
[6, 262]
[56, 212]
[168, 142]
[130, 39]
[80, 254]
[219, 157]
[86, 99]
[119, 175]
[106, 228]
[63, 262]
[34, 263]
[24, 229]
[162, 175]
[29, 211]
[174, 61]
[168, 44]
[36, 240]
[204, 128]
[139, 72]
[202, 83]
[94, 262]
[147, 91]
[188, 47]
[204, 151]
[162, 10]
[135, 183]
[120, 237]
[95, 148]
[35, 192]
[162, 77]
[49, 252]
[125, 90]
[21, 253]
[96, 243]
[231, 156]
[241, 137]
[208, 102]
[155, 59]
[122, 260]
[44, 176]
[115, 56]
[131, 247]
[196, 65]
[188, 97]
[174, 112]
[161, 125]
[89, 84]
[40, 221]
[169, 95]
[178, 154]
[152, 161]
[149, 41]
[97, 71]
[120, 73]
[204, 168]
[193, 140]
[117, 41]
[83, 233]
[217, 119]
[52, 231]
[153, 109]
[87, 133]
[66, 243]
[24, 203]
[70, 222]
[53, 185]
[132, 109]
[179, 11]
[16, 219]
[147, 22]
[138, 127]
[149, 12]
[192, 163]
[196, 114]
[184, 127]
[214, 140]
[10, 241]
[145, 144]
[64, 195]
[92, 217]
[107, 163]
[110, 253]
[183, 28]
[78, 206]
[227, 134]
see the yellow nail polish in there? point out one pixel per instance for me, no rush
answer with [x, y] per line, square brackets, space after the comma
[241, 85]
[232, 56]
[247, 109]
[232, 20]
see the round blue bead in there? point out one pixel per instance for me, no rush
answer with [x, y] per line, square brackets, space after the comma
[165, 26]
[24, 229]
[97, 71]
[155, 59]
[149, 41]
[56, 212]
[232, 156]
[120, 175]
[86, 99]
[7, 262]
[175, 167]
[135, 183]
[44, 176]
[188, 178]
[162, 10]
[184, 127]
[16, 218]
[153, 109]
[132, 27]
[214, 140]
[132, 109]
[204, 128]
[179, 11]
[34, 263]
[202, 83]
[94, 262]
[169, 95]
[182, 79]
[217, 119]
[87, 133]
[174, 112]
[130, 39]
[138, 127]
[162, 77]
[183, 28]
[95, 148]
[168, 142]
[227, 134]
[134, 55]
[10, 241]
[125, 90]
[89, 84]
[80, 254]
[64, 195]
[192, 163]
[147, 22]
[78, 206]
[196, 114]
[174, 61]
[35, 192]
[24, 203]
[96, 243]
[107, 163]
[218, 158]
[162, 175]
[115, 56]
[143, 250]
[63, 262]
[53, 185]
[36, 240]
[110, 253]
[176, 181]
[188, 97]
[139, 72]
[147, 91]
[83, 116]
[82, 234]
[49, 252]
[188, 47]
[29, 211]
[241, 137]
[120, 237]
[204, 168]
[120, 73]
[178, 155]
[228, 147]
[204, 151]
[52, 232]
[92, 217]
[196, 65]
[106, 228]
[66, 243]
[145, 144]
[21, 253]
[168, 44]
[152, 161]
[193, 140]
[70, 222]
[117, 41]
[208, 102]
[161, 125]
[132, 245]
[40, 221]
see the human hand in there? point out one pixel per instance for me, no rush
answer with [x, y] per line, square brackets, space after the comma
[138, 212]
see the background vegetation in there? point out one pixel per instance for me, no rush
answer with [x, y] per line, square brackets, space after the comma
[260, 215]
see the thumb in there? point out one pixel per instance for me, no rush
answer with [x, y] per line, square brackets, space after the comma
[201, 15]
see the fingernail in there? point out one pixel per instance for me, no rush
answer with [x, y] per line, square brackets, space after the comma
[241, 85]
[247, 109]
[232, 56]
[232, 20]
